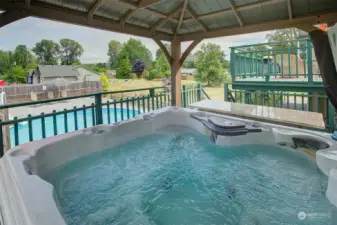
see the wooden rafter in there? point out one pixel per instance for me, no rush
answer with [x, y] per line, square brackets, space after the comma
[163, 21]
[147, 3]
[182, 13]
[237, 15]
[164, 49]
[238, 8]
[290, 10]
[128, 15]
[10, 16]
[130, 5]
[271, 25]
[47, 11]
[188, 50]
[94, 7]
[192, 13]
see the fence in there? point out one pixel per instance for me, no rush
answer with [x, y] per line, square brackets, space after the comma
[288, 100]
[23, 93]
[278, 60]
[35, 127]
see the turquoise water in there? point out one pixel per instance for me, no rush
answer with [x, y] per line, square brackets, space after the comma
[37, 125]
[178, 177]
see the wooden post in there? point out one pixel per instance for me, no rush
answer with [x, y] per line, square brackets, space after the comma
[176, 72]
[4, 116]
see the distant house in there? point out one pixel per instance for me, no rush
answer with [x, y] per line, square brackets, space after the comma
[188, 73]
[49, 73]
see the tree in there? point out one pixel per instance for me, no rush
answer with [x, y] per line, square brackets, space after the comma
[124, 69]
[134, 50]
[47, 52]
[99, 67]
[22, 56]
[105, 82]
[70, 51]
[162, 67]
[160, 52]
[5, 61]
[209, 64]
[285, 38]
[16, 75]
[114, 49]
[138, 68]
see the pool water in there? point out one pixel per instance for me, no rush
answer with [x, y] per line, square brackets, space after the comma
[37, 125]
[178, 177]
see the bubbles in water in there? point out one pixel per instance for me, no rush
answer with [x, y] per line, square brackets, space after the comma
[181, 178]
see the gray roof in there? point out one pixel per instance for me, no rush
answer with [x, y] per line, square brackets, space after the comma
[188, 70]
[58, 71]
[185, 19]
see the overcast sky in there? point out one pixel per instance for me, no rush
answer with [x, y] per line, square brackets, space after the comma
[95, 42]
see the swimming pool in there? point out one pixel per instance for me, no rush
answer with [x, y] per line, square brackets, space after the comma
[83, 120]
[164, 168]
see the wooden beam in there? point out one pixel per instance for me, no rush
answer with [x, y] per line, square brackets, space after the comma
[164, 49]
[272, 25]
[192, 13]
[93, 8]
[56, 13]
[307, 27]
[238, 17]
[188, 50]
[147, 3]
[127, 16]
[290, 11]
[182, 13]
[238, 8]
[163, 21]
[176, 73]
[11, 16]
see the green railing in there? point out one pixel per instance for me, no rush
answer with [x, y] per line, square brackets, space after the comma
[276, 61]
[289, 100]
[99, 111]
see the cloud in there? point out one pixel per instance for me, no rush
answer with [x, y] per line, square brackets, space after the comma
[95, 42]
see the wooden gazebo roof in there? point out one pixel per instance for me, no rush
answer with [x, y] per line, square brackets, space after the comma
[183, 19]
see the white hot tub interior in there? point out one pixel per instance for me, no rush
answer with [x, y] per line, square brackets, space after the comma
[27, 199]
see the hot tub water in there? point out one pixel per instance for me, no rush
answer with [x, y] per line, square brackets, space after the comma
[178, 177]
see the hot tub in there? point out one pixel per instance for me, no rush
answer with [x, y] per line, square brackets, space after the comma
[29, 173]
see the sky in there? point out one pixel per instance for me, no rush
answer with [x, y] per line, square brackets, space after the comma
[31, 30]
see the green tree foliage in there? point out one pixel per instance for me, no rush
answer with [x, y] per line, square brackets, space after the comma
[99, 67]
[124, 68]
[134, 50]
[105, 82]
[16, 75]
[162, 67]
[5, 61]
[283, 36]
[70, 51]
[114, 49]
[209, 64]
[22, 56]
[47, 52]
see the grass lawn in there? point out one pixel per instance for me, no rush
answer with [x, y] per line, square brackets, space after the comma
[120, 84]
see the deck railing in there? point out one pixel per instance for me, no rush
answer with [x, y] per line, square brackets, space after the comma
[289, 100]
[275, 61]
[98, 110]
